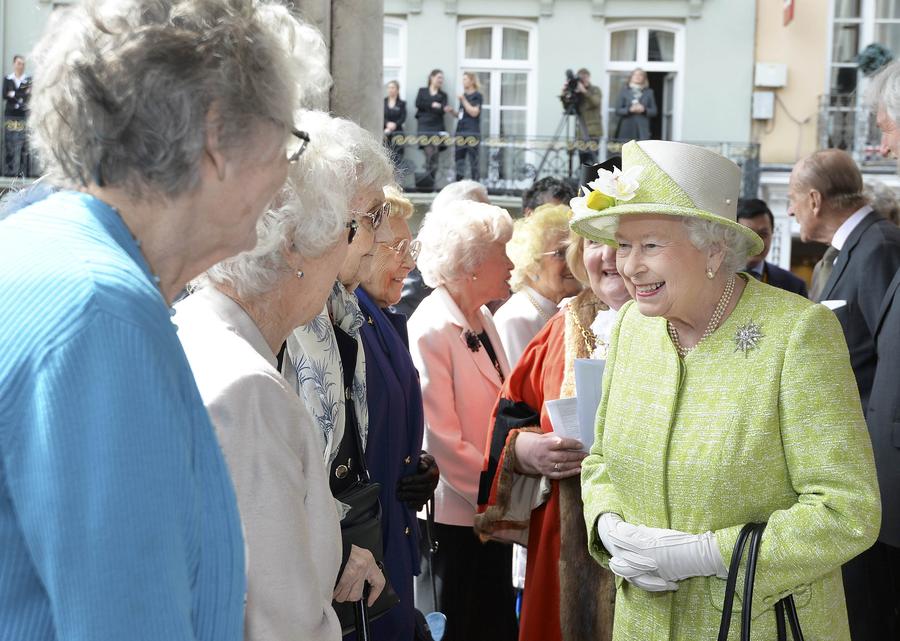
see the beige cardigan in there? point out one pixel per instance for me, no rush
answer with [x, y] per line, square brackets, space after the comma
[274, 455]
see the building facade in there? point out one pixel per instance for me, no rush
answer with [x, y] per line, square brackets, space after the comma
[698, 55]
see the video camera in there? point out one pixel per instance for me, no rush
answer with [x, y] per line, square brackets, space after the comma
[571, 98]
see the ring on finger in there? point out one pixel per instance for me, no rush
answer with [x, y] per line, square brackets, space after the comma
[556, 467]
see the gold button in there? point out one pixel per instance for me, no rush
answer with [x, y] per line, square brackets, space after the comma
[406, 531]
[407, 460]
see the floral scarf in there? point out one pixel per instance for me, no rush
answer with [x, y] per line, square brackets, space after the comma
[313, 366]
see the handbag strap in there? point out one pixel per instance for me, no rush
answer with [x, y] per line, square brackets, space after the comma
[432, 545]
[731, 583]
[785, 607]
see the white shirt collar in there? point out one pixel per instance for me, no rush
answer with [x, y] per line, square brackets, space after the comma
[546, 304]
[843, 232]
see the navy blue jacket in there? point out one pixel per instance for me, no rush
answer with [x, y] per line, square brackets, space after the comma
[783, 279]
[396, 427]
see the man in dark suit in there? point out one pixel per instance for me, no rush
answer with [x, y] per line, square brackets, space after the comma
[16, 92]
[825, 195]
[755, 214]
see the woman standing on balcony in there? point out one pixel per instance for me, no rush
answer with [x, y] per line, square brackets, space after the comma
[468, 127]
[431, 105]
[635, 107]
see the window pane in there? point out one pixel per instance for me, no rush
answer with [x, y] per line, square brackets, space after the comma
[513, 89]
[661, 46]
[515, 44]
[485, 121]
[846, 8]
[478, 43]
[888, 35]
[391, 73]
[846, 42]
[623, 45]
[484, 79]
[617, 81]
[888, 9]
[391, 42]
[512, 122]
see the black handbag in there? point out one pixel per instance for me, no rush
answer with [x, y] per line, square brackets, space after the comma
[361, 526]
[784, 608]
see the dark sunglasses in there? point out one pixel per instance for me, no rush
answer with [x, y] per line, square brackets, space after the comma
[353, 226]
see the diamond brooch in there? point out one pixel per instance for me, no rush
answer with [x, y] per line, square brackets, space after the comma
[747, 337]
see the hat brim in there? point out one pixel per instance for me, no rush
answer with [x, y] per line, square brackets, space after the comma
[591, 225]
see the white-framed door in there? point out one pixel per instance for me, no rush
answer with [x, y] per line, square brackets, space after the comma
[657, 47]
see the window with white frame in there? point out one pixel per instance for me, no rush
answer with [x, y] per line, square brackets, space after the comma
[657, 49]
[502, 55]
[394, 57]
[855, 24]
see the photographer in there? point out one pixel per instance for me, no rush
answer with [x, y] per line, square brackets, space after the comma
[587, 100]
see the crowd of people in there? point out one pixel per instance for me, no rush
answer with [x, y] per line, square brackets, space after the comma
[241, 400]
[635, 108]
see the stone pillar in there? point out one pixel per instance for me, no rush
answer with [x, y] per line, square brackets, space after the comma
[353, 33]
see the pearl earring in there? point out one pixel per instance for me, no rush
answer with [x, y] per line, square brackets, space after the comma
[474, 277]
[710, 274]
[299, 273]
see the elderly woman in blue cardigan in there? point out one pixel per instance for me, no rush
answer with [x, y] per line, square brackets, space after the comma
[118, 519]
[394, 453]
[725, 401]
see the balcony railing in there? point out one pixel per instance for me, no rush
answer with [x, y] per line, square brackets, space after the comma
[845, 124]
[510, 164]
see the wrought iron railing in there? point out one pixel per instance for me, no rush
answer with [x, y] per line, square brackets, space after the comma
[845, 124]
[510, 164]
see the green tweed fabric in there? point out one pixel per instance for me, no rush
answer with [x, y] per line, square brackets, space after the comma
[722, 438]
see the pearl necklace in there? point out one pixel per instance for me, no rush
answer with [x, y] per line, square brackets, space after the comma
[537, 306]
[714, 320]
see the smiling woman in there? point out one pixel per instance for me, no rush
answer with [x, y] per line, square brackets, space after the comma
[714, 383]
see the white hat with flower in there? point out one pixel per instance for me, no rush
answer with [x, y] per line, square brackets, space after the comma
[664, 178]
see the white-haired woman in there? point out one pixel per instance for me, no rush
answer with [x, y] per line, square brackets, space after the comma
[541, 277]
[118, 519]
[324, 359]
[725, 402]
[232, 329]
[394, 454]
[462, 365]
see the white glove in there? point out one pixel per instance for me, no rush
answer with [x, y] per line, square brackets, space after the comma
[673, 555]
[637, 570]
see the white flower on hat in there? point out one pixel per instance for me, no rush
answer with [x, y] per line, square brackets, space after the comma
[617, 184]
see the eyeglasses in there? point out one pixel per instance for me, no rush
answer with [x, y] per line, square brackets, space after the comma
[376, 215]
[303, 137]
[404, 247]
[353, 226]
[558, 254]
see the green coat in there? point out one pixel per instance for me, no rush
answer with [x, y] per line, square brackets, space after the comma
[721, 438]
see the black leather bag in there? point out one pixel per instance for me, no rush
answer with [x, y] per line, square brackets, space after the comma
[361, 526]
[752, 532]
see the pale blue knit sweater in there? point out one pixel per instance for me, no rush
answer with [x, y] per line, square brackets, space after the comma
[118, 521]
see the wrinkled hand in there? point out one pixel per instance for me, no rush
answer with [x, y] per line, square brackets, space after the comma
[549, 455]
[361, 568]
[633, 568]
[672, 554]
[416, 489]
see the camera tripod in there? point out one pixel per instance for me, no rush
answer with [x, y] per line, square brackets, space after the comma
[565, 126]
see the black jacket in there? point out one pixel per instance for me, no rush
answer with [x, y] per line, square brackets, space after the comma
[883, 412]
[861, 275]
[17, 105]
[431, 120]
